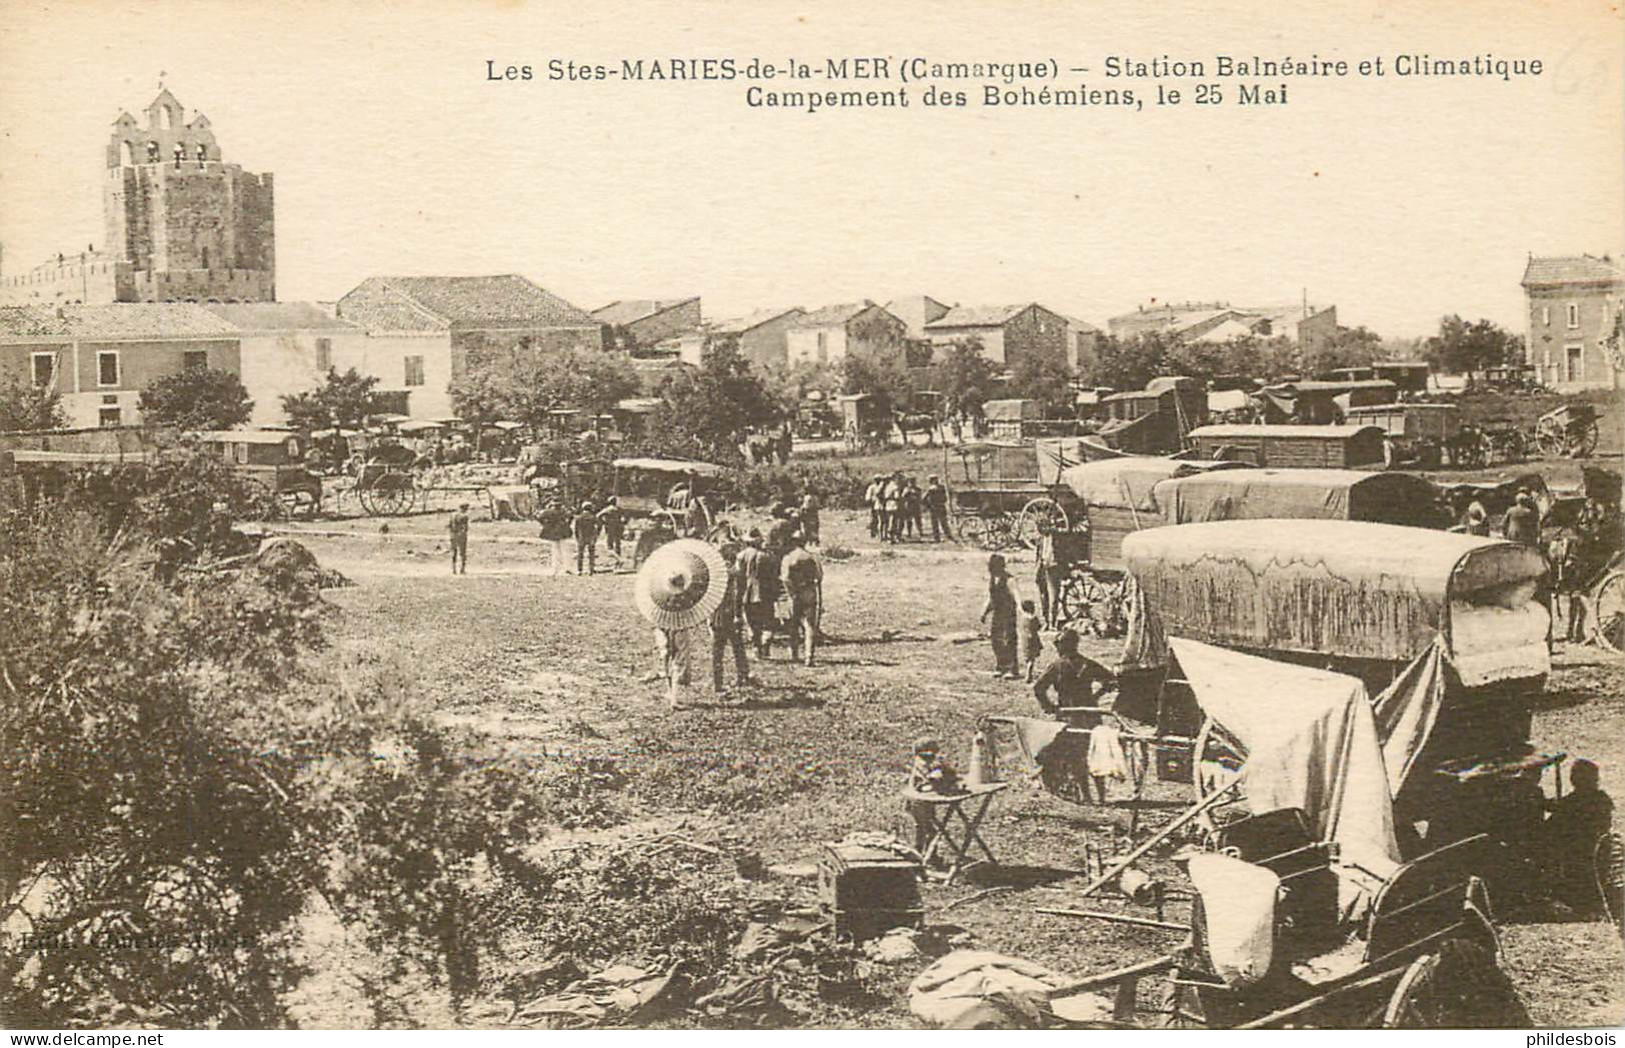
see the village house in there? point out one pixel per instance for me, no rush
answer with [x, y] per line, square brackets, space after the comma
[648, 321]
[479, 315]
[916, 311]
[100, 357]
[831, 334]
[289, 347]
[1082, 345]
[1006, 333]
[1574, 305]
[763, 335]
[1308, 326]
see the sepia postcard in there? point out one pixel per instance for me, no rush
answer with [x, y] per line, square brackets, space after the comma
[683, 515]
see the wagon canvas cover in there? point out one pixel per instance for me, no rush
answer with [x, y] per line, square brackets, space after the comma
[1298, 494]
[1344, 588]
[1311, 742]
[1130, 482]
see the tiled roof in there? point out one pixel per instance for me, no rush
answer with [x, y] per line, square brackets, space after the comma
[278, 316]
[1572, 269]
[833, 316]
[409, 303]
[630, 310]
[740, 325]
[977, 316]
[155, 320]
[1081, 325]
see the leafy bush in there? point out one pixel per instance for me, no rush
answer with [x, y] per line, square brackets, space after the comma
[836, 484]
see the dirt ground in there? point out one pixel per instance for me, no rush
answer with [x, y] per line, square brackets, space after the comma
[563, 666]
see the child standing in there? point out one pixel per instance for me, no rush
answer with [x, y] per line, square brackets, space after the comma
[928, 773]
[1029, 644]
[1001, 609]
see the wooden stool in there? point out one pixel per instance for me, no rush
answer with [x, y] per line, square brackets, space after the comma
[955, 841]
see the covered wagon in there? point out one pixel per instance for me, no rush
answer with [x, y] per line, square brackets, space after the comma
[1301, 494]
[1007, 419]
[1302, 447]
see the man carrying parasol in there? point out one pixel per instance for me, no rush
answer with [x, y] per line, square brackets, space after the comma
[677, 589]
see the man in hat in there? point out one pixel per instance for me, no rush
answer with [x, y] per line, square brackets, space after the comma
[872, 497]
[804, 580]
[1072, 678]
[936, 503]
[893, 510]
[458, 527]
[612, 520]
[1522, 521]
[677, 590]
[759, 581]
[584, 529]
[808, 516]
[727, 625]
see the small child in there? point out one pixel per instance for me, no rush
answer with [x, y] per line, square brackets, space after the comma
[929, 773]
[1027, 637]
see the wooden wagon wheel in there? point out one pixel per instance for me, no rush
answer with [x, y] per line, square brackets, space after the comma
[1039, 511]
[1000, 532]
[1459, 986]
[1550, 438]
[388, 494]
[1608, 612]
[971, 528]
[1075, 596]
[1582, 440]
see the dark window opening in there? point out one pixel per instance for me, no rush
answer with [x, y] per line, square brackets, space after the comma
[194, 360]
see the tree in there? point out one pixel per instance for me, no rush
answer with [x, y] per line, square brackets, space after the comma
[965, 377]
[340, 401]
[1129, 363]
[1463, 348]
[530, 386]
[196, 398]
[882, 376]
[28, 407]
[708, 412]
[1355, 347]
[1046, 377]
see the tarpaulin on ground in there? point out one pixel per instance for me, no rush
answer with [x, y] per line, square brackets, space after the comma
[1310, 742]
[1346, 588]
[960, 983]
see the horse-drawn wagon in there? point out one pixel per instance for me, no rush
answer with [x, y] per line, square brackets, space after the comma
[1570, 431]
[1415, 433]
[273, 461]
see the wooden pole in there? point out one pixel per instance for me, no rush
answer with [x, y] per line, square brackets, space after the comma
[1121, 918]
[1157, 838]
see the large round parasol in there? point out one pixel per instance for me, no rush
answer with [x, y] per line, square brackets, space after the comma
[681, 584]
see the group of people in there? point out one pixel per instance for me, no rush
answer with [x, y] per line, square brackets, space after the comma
[898, 507]
[763, 571]
[559, 524]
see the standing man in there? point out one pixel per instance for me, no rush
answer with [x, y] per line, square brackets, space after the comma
[699, 514]
[613, 522]
[584, 529]
[892, 517]
[458, 526]
[804, 579]
[911, 510]
[936, 503]
[555, 528]
[1049, 575]
[759, 577]
[872, 498]
[728, 627]
[1072, 679]
[809, 518]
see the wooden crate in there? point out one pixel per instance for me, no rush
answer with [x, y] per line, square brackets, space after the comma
[868, 890]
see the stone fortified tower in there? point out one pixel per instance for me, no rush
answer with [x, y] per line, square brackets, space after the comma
[191, 226]
[182, 225]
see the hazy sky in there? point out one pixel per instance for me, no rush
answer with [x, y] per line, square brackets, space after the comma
[1399, 199]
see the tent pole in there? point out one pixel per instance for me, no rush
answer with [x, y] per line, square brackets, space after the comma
[1157, 838]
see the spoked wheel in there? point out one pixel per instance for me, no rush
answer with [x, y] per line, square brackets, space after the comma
[1608, 612]
[1001, 532]
[1582, 440]
[1550, 438]
[1459, 986]
[389, 494]
[1074, 599]
[972, 529]
[1037, 514]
